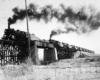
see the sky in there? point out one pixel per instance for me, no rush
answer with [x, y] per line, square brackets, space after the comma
[42, 30]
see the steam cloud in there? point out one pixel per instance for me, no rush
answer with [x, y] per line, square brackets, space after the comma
[82, 20]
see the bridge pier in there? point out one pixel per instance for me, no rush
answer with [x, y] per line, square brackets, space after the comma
[34, 54]
[50, 54]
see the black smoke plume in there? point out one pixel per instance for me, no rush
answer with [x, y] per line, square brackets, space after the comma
[81, 21]
[20, 14]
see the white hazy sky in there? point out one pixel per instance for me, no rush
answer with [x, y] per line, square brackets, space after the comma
[40, 29]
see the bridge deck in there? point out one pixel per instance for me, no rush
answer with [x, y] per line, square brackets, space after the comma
[41, 44]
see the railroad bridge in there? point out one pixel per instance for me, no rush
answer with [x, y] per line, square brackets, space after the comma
[14, 48]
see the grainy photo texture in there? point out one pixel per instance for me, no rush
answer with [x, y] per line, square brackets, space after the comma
[49, 39]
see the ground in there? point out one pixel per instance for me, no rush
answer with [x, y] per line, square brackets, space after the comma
[67, 69]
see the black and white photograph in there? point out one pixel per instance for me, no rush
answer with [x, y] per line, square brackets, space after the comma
[49, 39]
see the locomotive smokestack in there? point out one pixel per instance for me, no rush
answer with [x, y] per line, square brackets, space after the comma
[50, 37]
[9, 23]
